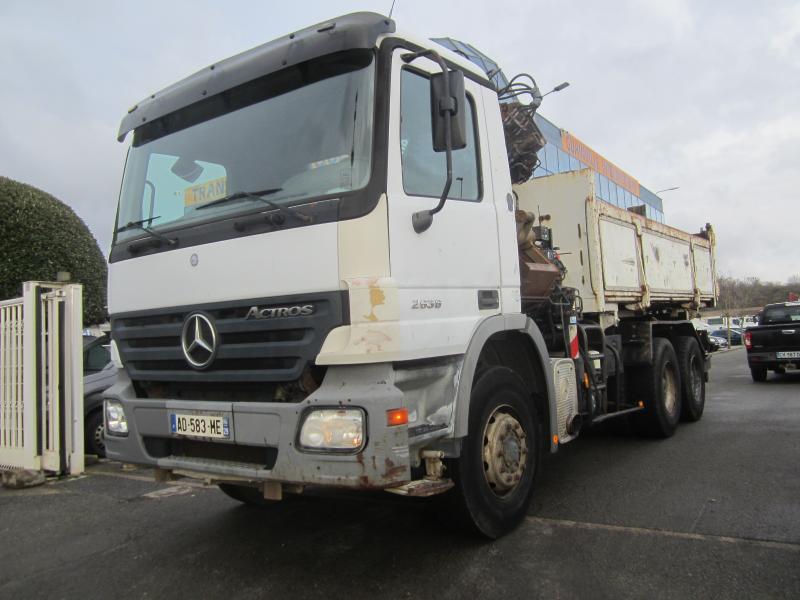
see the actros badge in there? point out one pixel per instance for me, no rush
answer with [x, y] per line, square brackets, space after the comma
[282, 311]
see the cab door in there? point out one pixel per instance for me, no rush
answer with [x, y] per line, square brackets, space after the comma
[448, 277]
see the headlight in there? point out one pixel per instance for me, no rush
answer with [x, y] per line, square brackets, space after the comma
[115, 357]
[116, 424]
[334, 429]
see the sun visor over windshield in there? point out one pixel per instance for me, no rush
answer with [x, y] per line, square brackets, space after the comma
[354, 31]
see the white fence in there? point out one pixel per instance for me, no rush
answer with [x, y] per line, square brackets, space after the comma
[41, 379]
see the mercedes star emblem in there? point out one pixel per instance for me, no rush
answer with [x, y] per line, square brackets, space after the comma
[199, 340]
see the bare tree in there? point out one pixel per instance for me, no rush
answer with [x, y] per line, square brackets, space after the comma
[752, 292]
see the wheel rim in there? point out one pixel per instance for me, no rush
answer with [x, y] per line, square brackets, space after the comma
[670, 388]
[505, 451]
[99, 438]
[695, 379]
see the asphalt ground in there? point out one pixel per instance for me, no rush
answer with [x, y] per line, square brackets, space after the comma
[712, 512]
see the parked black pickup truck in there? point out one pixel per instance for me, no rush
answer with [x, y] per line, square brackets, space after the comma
[774, 344]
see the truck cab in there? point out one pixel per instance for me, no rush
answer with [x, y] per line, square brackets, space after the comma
[311, 288]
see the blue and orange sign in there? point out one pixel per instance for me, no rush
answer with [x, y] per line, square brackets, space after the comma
[574, 147]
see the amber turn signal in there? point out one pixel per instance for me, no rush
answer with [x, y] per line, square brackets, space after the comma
[397, 416]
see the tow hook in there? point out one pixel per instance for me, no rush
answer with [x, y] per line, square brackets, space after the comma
[272, 490]
[434, 467]
[433, 482]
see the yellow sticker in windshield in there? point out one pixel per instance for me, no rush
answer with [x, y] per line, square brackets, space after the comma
[205, 192]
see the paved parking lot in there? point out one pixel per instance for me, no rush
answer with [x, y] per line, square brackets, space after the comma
[712, 512]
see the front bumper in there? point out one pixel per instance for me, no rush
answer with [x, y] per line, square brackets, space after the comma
[262, 442]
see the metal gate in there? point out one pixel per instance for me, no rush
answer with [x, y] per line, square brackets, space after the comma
[41, 379]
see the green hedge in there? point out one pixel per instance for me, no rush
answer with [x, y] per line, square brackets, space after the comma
[39, 236]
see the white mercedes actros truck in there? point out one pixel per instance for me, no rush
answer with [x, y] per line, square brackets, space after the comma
[331, 268]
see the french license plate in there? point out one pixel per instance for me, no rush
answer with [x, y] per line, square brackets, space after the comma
[199, 425]
[787, 355]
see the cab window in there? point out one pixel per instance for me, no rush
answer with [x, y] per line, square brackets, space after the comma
[424, 171]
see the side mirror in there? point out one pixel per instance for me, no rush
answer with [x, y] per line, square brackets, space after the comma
[448, 119]
[455, 104]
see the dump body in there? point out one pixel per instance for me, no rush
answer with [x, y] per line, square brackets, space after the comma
[617, 259]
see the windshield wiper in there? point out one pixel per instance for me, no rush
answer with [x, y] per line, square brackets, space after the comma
[137, 224]
[141, 225]
[260, 197]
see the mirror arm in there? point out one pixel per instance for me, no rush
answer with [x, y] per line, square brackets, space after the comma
[423, 219]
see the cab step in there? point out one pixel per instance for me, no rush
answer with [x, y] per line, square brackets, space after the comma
[422, 488]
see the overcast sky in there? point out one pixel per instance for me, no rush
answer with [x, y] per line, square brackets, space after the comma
[703, 95]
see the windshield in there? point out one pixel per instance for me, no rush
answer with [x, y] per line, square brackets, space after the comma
[301, 134]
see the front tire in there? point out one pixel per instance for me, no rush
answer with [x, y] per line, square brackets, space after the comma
[759, 374]
[693, 388]
[500, 457]
[658, 387]
[94, 434]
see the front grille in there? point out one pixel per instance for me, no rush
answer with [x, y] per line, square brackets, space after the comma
[260, 456]
[274, 349]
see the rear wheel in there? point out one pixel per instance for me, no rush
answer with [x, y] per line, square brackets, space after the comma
[246, 494]
[658, 387]
[500, 458]
[693, 389]
[758, 373]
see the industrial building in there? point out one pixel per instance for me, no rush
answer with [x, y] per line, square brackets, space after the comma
[564, 152]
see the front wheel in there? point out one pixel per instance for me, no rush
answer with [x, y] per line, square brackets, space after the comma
[94, 433]
[500, 458]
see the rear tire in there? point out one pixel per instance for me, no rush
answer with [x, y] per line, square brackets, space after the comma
[759, 374]
[246, 494]
[693, 388]
[500, 457]
[658, 386]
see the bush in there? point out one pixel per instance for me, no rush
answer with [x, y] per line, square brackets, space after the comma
[39, 236]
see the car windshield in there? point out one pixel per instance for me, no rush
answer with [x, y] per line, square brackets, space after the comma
[302, 133]
[787, 313]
